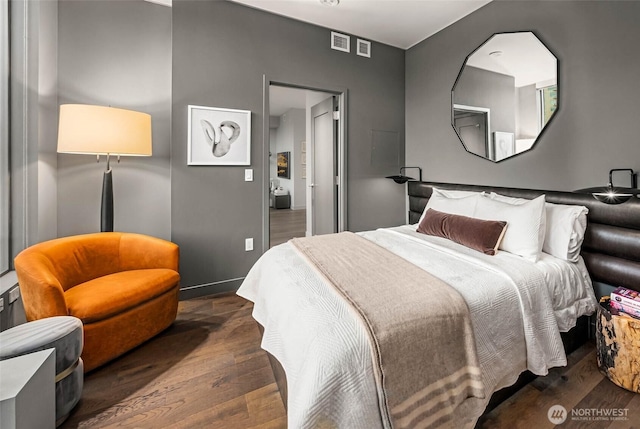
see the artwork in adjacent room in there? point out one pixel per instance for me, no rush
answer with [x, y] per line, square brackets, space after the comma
[218, 136]
[283, 164]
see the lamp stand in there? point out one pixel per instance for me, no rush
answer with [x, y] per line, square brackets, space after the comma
[106, 210]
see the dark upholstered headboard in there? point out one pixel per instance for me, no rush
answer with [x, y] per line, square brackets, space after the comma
[611, 248]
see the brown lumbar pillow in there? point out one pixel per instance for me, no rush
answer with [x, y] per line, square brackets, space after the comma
[481, 235]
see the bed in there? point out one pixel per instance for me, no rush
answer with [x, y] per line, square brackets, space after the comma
[314, 337]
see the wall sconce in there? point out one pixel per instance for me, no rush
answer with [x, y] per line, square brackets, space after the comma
[404, 179]
[611, 195]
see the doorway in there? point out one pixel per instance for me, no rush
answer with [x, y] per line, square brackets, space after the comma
[305, 142]
[472, 125]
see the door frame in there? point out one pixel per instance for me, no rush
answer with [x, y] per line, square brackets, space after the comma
[342, 94]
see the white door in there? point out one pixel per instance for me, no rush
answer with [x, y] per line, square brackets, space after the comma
[322, 192]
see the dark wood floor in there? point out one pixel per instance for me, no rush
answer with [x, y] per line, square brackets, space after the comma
[284, 224]
[208, 371]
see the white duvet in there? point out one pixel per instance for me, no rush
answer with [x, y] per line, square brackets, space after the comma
[517, 310]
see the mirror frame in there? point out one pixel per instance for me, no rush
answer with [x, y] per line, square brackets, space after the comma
[544, 128]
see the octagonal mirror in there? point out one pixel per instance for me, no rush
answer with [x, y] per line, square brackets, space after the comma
[505, 95]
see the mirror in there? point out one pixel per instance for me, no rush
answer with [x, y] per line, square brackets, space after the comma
[504, 96]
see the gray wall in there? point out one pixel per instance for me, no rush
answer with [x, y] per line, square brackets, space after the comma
[526, 116]
[596, 127]
[48, 121]
[494, 91]
[221, 51]
[117, 54]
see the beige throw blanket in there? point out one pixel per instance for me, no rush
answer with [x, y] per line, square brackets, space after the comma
[423, 347]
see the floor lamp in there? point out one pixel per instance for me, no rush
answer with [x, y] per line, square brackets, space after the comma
[99, 130]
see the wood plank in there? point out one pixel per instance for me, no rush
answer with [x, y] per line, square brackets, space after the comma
[285, 224]
[529, 407]
[265, 405]
[594, 410]
[632, 416]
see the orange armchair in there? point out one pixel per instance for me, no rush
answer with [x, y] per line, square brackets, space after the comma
[123, 286]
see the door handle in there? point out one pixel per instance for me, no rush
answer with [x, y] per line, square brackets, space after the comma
[313, 185]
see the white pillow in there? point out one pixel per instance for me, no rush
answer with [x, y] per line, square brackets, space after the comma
[565, 231]
[510, 200]
[542, 232]
[452, 193]
[525, 224]
[454, 202]
[564, 227]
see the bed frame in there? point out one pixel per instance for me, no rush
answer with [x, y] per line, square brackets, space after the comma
[611, 248]
[611, 251]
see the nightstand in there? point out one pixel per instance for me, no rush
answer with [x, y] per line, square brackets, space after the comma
[280, 201]
[618, 347]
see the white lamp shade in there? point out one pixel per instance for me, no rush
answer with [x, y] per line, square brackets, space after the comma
[87, 129]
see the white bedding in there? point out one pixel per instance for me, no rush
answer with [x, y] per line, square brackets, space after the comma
[325, 352]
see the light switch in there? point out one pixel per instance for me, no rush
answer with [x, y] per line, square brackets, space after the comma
[248, 175]
[248, 244]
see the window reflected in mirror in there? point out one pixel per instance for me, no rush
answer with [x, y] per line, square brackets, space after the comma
[505, 95]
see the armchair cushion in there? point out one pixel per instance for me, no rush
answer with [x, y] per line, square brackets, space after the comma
[124, 290]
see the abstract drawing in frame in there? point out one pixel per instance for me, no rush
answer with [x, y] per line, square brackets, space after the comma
[504, 145]
[218, 136]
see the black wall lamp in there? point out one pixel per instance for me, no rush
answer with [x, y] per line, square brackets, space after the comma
[404, 179]
[611, 195]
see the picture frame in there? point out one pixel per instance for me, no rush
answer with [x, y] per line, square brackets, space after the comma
[504, 145]
[218, 136]
[284, 166]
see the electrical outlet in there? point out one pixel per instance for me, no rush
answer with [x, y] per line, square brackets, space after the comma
[248, 175]
[14, 294]
[248, 244]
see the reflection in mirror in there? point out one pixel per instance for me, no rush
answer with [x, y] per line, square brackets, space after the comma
[504, 96]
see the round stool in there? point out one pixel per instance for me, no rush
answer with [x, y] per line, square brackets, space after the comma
[64, 333]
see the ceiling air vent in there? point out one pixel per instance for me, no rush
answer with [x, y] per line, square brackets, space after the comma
[340, 42]
[364, 48]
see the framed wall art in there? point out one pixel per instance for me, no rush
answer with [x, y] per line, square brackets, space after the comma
[283, 165]
[504, 145]
[218, 136]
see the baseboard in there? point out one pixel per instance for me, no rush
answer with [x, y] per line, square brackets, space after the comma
[197, 291]
[298, 207]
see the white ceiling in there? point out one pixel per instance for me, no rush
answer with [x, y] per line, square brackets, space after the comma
[522, 55]
[282, 98]
[399, 23]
